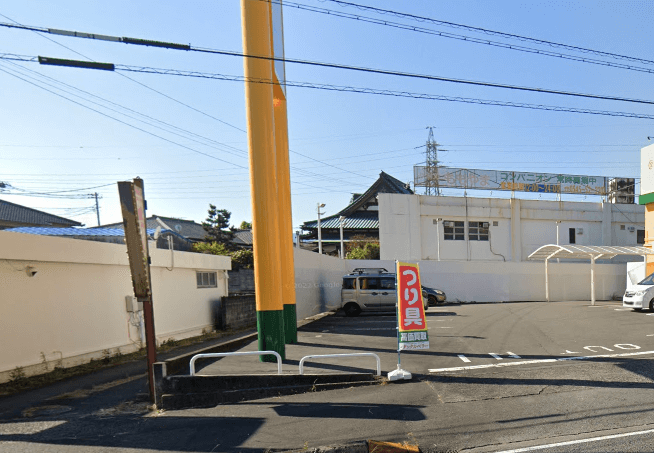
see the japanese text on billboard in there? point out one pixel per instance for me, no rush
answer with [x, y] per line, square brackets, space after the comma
[411, 313]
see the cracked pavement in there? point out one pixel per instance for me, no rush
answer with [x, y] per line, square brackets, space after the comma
[473, 410]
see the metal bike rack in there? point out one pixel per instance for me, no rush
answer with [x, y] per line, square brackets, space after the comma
[225, 354]
[356, 354]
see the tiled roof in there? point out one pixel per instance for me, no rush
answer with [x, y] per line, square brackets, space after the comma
[361, 220]
[15, 213]
[187, 228]
[384, 184]
[356, 219]
[87, 232]
[243, 237]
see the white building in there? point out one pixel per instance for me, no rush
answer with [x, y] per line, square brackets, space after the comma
[419, 227]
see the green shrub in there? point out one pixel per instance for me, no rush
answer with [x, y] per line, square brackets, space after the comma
[369, 251]
[243, 258]
[212, 248]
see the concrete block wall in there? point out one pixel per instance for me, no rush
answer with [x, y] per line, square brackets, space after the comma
[73, 309]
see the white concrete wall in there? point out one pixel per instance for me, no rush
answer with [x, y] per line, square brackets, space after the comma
[319, 280]
[73, 309]
[410, 229]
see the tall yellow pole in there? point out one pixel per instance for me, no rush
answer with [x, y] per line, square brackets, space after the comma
[285, 215]
[256, 24]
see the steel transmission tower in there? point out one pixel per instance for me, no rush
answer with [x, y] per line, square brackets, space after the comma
[431, 153]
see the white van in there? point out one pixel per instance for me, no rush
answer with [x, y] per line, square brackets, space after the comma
[370, 290]
[641, 295]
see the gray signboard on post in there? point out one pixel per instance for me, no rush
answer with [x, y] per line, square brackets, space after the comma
[132, 204]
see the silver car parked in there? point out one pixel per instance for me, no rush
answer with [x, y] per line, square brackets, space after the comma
[370, 290]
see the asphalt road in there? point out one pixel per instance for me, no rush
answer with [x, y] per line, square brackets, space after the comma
[557, 377]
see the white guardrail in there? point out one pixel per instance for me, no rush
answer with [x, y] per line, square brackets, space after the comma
[225, 354]
[328, 356]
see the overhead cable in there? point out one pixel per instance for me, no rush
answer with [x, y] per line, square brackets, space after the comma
[490, 32]
[384, 92]
[471, 39]
[167, 45]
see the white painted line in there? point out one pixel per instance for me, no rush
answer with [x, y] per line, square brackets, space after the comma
[511, 354]
[651, 335]
[623, 309]
[464, 358]
[443, 327]
[650, 314]
[495, 355]
[531, 362]
[579, 441]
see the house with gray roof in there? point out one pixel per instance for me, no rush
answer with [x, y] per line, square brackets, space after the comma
[192, 231]
[14, 215]
[111, 235]
[360, 217]
[188, 228]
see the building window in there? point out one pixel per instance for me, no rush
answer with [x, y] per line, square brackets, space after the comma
[572, 235]
[478, 231]
[640, 236]
[206, 279]
[453, 231]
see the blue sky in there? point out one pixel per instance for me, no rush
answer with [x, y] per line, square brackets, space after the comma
[50, 144]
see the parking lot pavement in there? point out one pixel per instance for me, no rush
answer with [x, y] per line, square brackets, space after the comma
[468, 336]
[485, 409]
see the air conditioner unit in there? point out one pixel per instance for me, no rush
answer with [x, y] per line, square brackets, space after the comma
[580, 231]
[631, 228]
[448, 224]
[484, 225]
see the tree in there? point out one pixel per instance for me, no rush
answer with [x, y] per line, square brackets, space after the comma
[211, 248]
[217, 226]
[362, 248]
[245, 225]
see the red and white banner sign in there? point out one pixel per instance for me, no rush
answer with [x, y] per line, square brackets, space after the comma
[412, 332]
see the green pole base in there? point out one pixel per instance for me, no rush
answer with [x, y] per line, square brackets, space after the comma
[290, 324]
[270, 326]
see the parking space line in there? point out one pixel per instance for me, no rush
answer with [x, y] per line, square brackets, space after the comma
[531, 362]
[511, 354]
[464, 358]
[497, 357]
[578, 441]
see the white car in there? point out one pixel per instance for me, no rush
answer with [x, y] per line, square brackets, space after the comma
[640, 296]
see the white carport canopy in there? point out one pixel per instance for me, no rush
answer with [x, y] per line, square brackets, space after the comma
[576, 252]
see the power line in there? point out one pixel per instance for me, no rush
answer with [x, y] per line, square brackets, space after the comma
[376, 71]
[120, 121]
[133, 41]
[404, 94]
[307, 62]
[490, 32]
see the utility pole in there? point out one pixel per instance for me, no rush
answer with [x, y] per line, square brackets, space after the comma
[97, 207]
[431, 161]
[319, 205]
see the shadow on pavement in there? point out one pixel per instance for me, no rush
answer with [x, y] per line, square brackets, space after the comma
[185, 434]
[354, 410]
